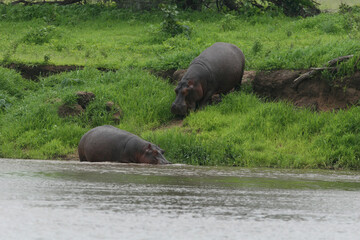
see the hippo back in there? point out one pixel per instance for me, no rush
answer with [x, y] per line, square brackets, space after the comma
[103, 144]
[225, 62]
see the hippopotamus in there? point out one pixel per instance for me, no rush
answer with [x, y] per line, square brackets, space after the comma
[218, 69]
[110, 144]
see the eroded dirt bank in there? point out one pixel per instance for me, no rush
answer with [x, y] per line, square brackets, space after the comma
[317, 93]
[35, 71]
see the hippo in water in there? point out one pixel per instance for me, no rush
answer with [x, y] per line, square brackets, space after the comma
[110, 144]
[218, 69]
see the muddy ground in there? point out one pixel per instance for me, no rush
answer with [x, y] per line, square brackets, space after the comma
[35, 71]
[317, 93]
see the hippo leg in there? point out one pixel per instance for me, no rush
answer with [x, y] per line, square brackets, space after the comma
[205, 100]
[238, 85]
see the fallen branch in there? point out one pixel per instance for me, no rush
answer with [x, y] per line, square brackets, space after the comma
[329, 66]
[302, 77]
[323, 68]
[339, 60]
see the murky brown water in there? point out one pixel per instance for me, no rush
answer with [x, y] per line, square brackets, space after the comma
[73, 200]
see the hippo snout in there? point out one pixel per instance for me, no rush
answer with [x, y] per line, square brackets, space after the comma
[162, 160]
[180, 110]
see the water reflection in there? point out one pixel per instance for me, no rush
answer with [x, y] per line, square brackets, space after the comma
[92, 201]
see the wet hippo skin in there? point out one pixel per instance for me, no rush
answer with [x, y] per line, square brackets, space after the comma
[110, 144]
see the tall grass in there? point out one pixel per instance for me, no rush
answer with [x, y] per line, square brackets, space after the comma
[32, 128]
[102, 36]
[244, 131]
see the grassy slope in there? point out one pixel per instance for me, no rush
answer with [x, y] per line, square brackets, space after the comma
[31, 128]
[120, 39]
[241, 131]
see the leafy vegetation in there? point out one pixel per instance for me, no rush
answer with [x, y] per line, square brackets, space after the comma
[95, 35]
[32, 123]
[241, 131]
[244, 131]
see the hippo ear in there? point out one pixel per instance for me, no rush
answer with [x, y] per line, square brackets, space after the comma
[191, 83]
[148, 148]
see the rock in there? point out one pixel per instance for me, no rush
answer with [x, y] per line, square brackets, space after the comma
[118, 113]
[109, 106]
[70, 110]
[84, 98]
[117, 117]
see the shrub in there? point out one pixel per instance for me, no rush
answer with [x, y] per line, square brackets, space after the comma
[352, 19]
[171, 25]
[4, 102]
[228, 22]
[13, 84]
[39, 35]
[257, 47]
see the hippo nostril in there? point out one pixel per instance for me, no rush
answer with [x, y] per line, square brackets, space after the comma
[174, 109]
[179, 109]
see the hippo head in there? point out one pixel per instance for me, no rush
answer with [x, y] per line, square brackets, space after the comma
[153, 155]
[188, 92]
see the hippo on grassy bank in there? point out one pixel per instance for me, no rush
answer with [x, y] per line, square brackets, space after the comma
[110, 144]
[218, 69]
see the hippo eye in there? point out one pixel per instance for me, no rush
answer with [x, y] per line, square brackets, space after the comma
[184, 91]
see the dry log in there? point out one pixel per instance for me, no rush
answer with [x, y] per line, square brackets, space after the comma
[329, 66]
[335, 61]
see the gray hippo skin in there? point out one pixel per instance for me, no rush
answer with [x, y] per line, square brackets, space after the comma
[218, 69]
[110, 144]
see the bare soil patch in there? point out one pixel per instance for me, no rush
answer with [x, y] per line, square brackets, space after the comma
[316, 92]
[33, 72]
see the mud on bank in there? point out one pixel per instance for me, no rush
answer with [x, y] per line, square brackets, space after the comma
[33, 72]
[316, 93]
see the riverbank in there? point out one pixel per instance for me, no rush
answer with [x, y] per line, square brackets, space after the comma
[242, 130]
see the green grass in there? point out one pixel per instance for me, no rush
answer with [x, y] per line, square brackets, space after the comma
[244, 131]
[31, 128]
[114, 38]
[241, 131]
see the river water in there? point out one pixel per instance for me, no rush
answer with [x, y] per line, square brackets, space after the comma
[72, 200]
